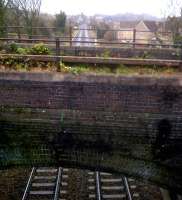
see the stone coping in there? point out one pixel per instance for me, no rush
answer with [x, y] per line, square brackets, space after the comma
[172, 80]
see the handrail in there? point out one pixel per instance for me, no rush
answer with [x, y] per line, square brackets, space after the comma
[89, 29]
[91, 42]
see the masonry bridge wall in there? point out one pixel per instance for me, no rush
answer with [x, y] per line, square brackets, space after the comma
[121, 52]
[130, 125]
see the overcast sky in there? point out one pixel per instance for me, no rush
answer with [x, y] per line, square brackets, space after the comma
[91, 7]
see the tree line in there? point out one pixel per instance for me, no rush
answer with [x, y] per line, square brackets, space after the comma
[173, 19]
[26, 13]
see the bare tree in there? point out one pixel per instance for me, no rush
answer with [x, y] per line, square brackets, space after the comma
[16, 14]
[174, 8]
[3, 11]
[171, 9]
[173, 19]
[29, 10]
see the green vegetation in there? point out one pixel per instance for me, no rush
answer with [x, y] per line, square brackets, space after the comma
[11, 63]
[146, 55]
[18, 64]
[37, 49]
[117, 69]
[21, 64]
[40, 49]
[178, 40]
[60, 21]
[3, 16]
[106, 54]
[79, 69]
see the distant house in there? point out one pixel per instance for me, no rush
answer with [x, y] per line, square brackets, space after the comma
[126, 30]
[145, 31]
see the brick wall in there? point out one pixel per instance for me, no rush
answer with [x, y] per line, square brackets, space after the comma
[131, 125]
[13, 182]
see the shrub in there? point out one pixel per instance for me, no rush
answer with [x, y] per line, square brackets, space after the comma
[40, 49]
[146, 55]
[178, 40]
[22, 51]
[13, 48]
[106, 54]
[21, 67]
[63, 68]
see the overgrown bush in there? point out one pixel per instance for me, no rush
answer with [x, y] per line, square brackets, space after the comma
[22, 51]
[18, 63]
[106, 54]
[13, 48]
[178, 40]
[78, 69]
[40, 49]
[37, 49]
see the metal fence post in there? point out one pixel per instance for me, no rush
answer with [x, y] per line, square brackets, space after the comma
[19, 32]
[134, 37]
[57, 52]
[70, 34]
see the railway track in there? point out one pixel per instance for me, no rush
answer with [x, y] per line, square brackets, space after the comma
[52, 184]
[46, 184]
[82, 37]
[110, 187]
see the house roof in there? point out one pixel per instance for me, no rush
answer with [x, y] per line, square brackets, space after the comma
[151, 25]
[128, 24]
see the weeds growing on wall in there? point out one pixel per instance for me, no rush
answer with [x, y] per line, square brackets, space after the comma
[37, 49]
[22, 64]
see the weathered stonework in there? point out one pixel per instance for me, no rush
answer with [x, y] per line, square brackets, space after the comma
[130, 125]
[121, 52]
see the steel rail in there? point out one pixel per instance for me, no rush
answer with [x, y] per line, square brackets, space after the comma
[127, 188]
[28, 184]
[58, 184]
[98, 186]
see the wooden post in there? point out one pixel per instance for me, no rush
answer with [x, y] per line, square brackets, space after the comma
[134, 37]
[6, 31]
[19, 33]
[70, 35]
[57, 51]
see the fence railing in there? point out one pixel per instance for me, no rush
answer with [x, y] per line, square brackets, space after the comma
[82, 38]
[87, 40]
[59, 43]
[119, 35]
